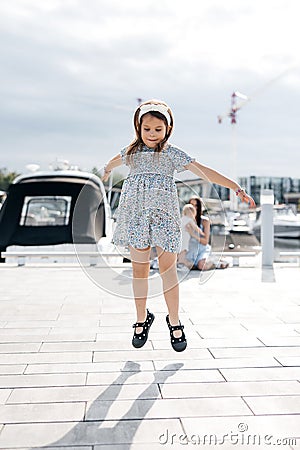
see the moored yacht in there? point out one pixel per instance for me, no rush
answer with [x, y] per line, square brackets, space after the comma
[286, 222]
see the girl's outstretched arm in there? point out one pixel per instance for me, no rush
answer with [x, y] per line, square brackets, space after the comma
[211, 175]
[114, 162]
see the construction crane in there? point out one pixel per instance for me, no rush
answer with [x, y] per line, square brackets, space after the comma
[236, 105]
[238, 100]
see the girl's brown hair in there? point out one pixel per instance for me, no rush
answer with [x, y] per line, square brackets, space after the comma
[137, 144]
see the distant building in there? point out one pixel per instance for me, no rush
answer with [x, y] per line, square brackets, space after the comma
[286, 189]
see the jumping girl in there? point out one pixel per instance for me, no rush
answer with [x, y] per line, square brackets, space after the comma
[148, 213]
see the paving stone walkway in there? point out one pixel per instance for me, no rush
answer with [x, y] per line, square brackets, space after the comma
[70, 379]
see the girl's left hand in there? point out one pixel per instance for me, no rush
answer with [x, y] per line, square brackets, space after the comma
[106, 173]
[245, 198]
[105, 176]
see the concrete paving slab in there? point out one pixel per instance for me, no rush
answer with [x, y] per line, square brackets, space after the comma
[14, 381]
[82, 393]
[263, 319]
[4, 394]
[85, 447]
[230, 389]
[22, 314]
[107, 346]
[167, 408]
[76, 309]
[68, 317]
[68, 447]
[234, 367]
[19, 307]
[107, 335]
[280, 341]
[151, 446]
[82, 330]
[12, 369]
[266, 429]
[291, 317]
[247, 341]
[223, 331]
[208, 314]
[157, 355]
[281, 329]
[20, 348]
[82, 367]
[47, 412]
[157, 332]
[189, 376]
[86, 433]
[83, 323]
[211, 363]
[292, 361]
[23, 331]
[245, 352]
[257, 374]
[281, 404]
[40, 358]
[57, 337]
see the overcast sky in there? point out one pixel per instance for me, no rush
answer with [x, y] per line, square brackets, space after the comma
[71, 71]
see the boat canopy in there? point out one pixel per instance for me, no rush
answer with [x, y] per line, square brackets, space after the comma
[47, 208]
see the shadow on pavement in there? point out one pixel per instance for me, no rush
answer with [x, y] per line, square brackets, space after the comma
[93, 431]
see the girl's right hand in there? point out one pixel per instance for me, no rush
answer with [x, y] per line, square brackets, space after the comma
[245, 198]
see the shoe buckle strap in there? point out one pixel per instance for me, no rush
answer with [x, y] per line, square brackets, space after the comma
[176, 327]
[138, 324]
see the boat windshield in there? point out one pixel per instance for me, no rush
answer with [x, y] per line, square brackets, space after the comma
[44, 211]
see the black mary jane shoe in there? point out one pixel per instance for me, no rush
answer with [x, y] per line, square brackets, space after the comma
[179, 344]
[140, 339]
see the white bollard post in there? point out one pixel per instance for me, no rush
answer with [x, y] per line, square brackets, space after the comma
[267, 227]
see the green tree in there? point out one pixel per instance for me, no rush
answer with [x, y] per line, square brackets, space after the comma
[6, 178]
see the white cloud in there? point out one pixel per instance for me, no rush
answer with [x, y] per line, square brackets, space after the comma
[71, 72]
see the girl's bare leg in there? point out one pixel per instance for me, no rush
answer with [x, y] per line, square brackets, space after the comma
[168, 273]
[140, 259]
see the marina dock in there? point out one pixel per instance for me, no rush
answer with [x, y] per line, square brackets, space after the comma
[70, 378]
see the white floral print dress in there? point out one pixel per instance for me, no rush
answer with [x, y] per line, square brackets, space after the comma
[148, 212]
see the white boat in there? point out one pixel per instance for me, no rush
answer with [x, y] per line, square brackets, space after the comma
[238, 222]
[286, 222]
[56, 214]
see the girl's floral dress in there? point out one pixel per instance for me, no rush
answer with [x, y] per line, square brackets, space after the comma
[148, 212]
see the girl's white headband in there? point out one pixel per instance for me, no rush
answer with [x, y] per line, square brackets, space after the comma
[144, 109]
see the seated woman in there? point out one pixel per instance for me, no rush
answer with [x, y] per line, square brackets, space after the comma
[196, 257]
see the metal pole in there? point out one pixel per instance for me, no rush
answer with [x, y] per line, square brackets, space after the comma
[267, 227]
[233, 197]
[110, 185]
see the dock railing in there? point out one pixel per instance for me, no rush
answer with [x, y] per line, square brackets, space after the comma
[101, 259]
[291, 255]
[91, 258]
